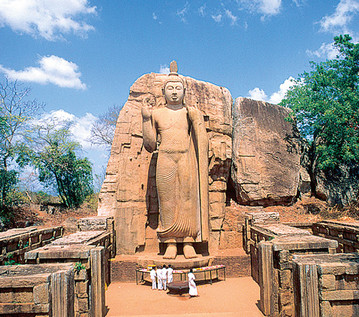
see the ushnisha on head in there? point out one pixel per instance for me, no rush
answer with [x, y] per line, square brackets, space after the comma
[174, 88]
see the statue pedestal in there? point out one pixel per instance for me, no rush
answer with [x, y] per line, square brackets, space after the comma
[180, 262]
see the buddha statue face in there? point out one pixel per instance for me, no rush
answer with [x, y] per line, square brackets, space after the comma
[174, 92]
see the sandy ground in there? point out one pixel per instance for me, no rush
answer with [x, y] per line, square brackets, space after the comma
[232, 297]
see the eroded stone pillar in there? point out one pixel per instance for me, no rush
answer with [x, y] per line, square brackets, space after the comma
[62, 293]
[265, 276]
[97, 281]
[306, 294]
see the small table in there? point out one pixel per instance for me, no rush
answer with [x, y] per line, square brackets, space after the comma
[206, 270]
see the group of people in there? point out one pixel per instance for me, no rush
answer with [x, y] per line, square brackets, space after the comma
[163, 275]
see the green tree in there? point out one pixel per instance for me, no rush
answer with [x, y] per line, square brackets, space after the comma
[16, 110]
[325, 102]
[54, 155]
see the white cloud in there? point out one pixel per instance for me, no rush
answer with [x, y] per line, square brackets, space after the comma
[275, 98]
[283, 88]
[154, 16]
[257, 94]
[339, 20]
[164, 69]
[325, 51]
[201, 10]
[182, 13]
[80, 127]
[265, 7]
[269, 7]
[217, 18]
[52, 69]
[232, 17]
[46, 18]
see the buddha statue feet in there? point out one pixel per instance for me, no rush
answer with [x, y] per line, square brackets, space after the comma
[188, 251]
[171, 251]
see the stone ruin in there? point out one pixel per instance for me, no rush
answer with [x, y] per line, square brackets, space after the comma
[303, 269]
[254, 155]
[59, 275]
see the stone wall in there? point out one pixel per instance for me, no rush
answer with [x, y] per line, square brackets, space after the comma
[326, 285]
[37, 290]
[347, 234]
[15, 242]
[89, 266]
[272, 246]
[90, 252]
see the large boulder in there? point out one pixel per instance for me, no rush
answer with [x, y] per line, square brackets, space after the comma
[265, 154]
[129, 190]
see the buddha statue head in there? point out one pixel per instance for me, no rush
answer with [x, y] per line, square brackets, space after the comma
[174, 88]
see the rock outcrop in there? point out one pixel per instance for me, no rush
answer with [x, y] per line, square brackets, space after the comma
[266, 154]
[129, 190]
[337, 187]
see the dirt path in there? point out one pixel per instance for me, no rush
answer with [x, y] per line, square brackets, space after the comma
[233, 297]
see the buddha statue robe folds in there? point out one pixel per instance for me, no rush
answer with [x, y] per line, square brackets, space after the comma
[182, 168]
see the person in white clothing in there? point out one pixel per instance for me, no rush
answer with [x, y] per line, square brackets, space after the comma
[164, 277]
[170, 274]
[153, 278]
[159, 278]
[192, 284]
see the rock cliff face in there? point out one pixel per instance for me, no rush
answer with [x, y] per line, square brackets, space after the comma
[129, 190]
[266, 154]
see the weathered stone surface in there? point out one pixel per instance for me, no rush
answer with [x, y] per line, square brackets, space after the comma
[129, 190]
[338, 187]
[93, 223]
[25, 289]
[41, 293]
[78, 238]
[266, 154]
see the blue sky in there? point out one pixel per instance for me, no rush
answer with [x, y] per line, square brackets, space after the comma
[81, 56]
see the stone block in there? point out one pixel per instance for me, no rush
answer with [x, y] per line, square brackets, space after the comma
[340, 295]
[285, 297]
[327, 282]
[41, 293]
[285, 279]
[82, 289]
[326, 309]
[217, 210]
[82, 305]
[217, 197]
[216, 224]
[218, 186]
[92, 224]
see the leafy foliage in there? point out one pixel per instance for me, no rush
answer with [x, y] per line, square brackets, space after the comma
[15, 112]
[53, 154]
[325, 102]
[58, 165]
